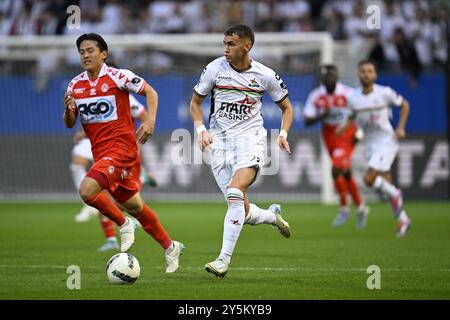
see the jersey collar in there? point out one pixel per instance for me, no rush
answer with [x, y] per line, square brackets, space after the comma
[244, 70]
[100, 74]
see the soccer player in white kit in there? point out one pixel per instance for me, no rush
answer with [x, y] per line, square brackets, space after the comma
[370, 105]
[237, 138]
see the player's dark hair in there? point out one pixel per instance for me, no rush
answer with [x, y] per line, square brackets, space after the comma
[363, 62]
[242, 31]
[101, 43]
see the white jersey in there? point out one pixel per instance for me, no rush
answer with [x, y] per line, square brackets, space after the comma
[319, 101]
[373, 115]
[237, 97]
[136, 107]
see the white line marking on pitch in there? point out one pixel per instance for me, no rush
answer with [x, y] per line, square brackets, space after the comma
[299, 269]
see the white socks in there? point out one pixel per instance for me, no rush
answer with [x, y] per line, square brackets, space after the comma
[385, 186]
[78, 174]
[233, 223]
[257, 215]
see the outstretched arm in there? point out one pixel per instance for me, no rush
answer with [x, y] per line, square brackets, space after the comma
[286, 122]
[310, 121]
[147, 126]
[70, 111]
[404, 112]
[195, 108]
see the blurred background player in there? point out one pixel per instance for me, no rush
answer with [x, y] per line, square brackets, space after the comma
[328, 104]
[100, 96]
[370, 106]
[237, 139]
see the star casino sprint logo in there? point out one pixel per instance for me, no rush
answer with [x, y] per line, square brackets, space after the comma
[237, 111]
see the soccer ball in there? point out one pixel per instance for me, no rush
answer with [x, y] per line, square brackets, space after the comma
[123, 268]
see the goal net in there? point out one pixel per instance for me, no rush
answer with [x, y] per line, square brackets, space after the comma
[36, 147]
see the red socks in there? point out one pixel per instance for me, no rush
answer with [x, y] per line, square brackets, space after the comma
[354, 191]
[152, 226]
[109, 228]
[341, 188]
[107, 207]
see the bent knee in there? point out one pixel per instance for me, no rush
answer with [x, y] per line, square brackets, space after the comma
[369, 180]
[347, 174]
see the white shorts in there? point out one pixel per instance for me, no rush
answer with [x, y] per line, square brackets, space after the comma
[247, 154]
[382, 158]
[83, 149]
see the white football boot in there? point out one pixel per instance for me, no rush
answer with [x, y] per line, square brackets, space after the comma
[280, 223]
[217, 267]
[85, 214]
[127, 235]
[173, 257]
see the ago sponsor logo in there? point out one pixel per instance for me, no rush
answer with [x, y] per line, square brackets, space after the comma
[97, 109]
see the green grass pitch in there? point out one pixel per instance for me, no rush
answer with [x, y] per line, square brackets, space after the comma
[38, 241]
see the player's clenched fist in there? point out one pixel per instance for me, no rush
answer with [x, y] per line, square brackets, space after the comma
[204, 139]
[283, 143]
[69, 102]
[144, 131]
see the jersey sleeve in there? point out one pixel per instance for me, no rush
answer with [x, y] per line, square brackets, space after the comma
[130, 82]
[276, 88]
[207, 81]
[310, 110]
[393, 98]
[136, 107]
[70, 87]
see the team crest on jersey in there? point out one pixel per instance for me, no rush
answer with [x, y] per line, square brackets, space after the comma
[111, 169]
[254, 83]
[78, 91]
[105, 87]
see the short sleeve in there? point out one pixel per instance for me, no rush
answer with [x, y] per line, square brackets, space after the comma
[129, 81]
[136, 107]
[207, 81]
[393, 98]
[310, 110]
[276, 88]
[70, 87]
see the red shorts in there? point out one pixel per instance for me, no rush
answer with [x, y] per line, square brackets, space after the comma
[121, 182]
[340, 148]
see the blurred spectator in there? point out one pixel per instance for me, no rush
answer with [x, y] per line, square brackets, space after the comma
[440, 40]
[420, 31]
[424, 22]
[110, 18]
[391, 19]
[410, 7]
[359, 36]
[409, 60]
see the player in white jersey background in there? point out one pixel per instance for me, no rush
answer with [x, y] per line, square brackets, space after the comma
[370, 105]
[237, 138]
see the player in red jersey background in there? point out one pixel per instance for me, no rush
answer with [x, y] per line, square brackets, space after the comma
[328, 104]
